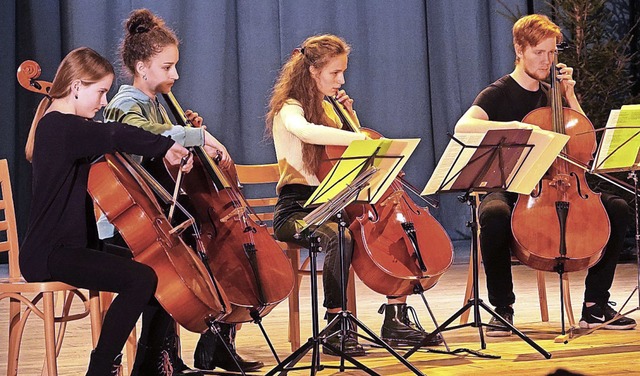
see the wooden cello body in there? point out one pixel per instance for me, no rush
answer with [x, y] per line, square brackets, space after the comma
[185, 288]
[253, 270]
[562, 225]
[400, 248]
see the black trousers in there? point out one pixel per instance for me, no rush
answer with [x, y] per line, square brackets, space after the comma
[494, 216]
[157, 324]
[288, 210]
[133, 282]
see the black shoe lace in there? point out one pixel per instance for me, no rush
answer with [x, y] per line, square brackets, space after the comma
[415, 322]
[609, 311]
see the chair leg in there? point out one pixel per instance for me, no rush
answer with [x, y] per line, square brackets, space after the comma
[351, 293]
[567, 300]
[105, 302]
[15, 334]
[95, 315]
[131, 346]
[294, 301]
[49, 334]
[464, 318]
[542, 296]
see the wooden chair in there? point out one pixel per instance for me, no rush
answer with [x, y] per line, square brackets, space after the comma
[19, 293]
[265, 176]
[542, 290]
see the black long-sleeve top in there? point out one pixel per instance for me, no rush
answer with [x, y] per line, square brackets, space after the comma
[63, 146]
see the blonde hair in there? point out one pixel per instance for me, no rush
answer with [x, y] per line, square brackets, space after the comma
[530, 30]
[145, 36]
[295, 82]
[82, 64]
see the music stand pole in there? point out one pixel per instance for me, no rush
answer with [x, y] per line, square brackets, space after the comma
[475, 302]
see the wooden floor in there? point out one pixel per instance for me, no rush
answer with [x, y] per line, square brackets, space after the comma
[599, 353]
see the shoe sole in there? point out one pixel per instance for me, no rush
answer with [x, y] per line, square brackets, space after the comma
[586, 325]
[395, 343]
[328, 352]
[498, 333]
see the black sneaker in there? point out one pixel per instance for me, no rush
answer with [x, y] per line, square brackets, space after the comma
[497, 328]
[597, 315]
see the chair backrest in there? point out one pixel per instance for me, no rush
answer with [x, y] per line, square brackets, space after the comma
[8, 228]
[264, 177]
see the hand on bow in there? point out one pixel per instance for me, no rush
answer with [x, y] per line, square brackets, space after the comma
[176, 153]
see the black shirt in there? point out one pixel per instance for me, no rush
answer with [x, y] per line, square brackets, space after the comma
[506, 100]
[63, 146]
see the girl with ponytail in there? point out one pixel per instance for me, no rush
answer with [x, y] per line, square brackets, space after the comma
[58, 243]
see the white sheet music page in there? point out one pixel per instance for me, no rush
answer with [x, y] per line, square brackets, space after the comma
[452, 162]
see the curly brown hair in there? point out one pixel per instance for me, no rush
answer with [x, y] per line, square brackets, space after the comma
[295, 82]
[145, 36]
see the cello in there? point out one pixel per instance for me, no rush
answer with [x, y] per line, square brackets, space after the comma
[185, 287]
[559, 227]
[252, 269]
[186, 290]
[400, 248]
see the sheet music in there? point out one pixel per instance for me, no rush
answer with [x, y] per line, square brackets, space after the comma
[537, 151]
[549, 145]
[452, 156]
[620, 144]
[607, 137]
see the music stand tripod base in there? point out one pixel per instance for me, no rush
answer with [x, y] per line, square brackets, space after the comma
[345, 319]
[476, 303]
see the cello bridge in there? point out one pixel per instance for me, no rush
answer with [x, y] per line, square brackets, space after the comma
[237, 212]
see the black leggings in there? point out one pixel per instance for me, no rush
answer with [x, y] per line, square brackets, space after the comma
[133, 282]
[157, 324]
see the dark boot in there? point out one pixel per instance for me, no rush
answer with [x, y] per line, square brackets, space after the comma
[151, 361]
[160, 361]
[171, 355]
[141, 356]
[398, 330]
[211, 352]
[101, 365]
[350, 347]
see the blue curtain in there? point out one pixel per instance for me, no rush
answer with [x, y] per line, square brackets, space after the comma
[415, 67]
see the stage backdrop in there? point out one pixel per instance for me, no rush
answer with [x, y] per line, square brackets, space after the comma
[415, 66]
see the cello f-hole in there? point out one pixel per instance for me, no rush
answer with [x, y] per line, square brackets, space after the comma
[578, 187]
[536, 193]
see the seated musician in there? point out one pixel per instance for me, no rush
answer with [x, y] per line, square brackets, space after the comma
[505, 103]
[301, 122]
[150, 53]
[59, 244]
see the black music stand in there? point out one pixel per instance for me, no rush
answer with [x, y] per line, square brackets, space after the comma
[491, 168]
[363, 174]
[631, 166]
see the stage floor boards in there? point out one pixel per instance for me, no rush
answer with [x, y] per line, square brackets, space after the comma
[600, 353]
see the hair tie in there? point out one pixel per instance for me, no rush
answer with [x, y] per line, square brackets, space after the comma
[141, 29]
[302, 50]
